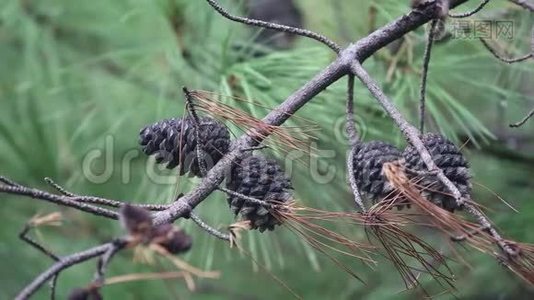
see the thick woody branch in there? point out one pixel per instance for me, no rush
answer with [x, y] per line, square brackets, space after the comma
[381, 37]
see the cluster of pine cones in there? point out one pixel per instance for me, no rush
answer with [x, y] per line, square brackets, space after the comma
[370, 157]
[174, 141]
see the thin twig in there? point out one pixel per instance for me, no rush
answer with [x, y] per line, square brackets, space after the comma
[200, 155]
[352, 131]
[53, 285]
[118, 204]
[8, 181]
[104, 260]
[472, 12]
[102, 201]
[23, 236]
[504, 59]
[59, 200]
[246, 198]
[190, 105]
[283, 28]
[59, 188]
[354, 141]
[260, 147]
[59, 266]
[524, 120]
[424, 75]
[208, 228]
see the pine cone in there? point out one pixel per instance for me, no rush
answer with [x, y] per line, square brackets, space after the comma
[261, 178]
[448, 158]
[368, 161]
[173, 141]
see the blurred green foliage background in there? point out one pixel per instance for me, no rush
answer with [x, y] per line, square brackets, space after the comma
[80, 78]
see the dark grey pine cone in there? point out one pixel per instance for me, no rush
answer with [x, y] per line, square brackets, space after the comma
[447, 157]
[261, 178]
[368, 161]
[173, 141]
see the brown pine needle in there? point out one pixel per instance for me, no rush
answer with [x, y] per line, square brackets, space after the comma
[304, 222]
[51, 219]
[235, 230]
[215, 96]
[400, 245]
[184, 265]
[317, 246]
[144, 276]
[521, 264]
[258, 129]
[497, 195]
[269, 273]
[520, 260]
